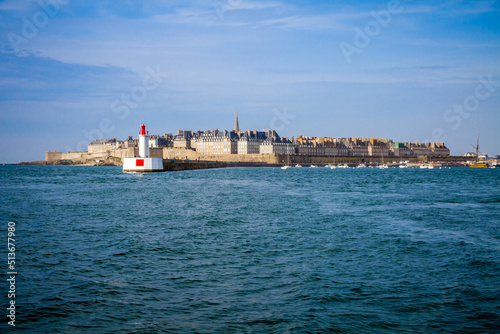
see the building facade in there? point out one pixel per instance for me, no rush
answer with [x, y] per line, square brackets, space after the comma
[217, 143]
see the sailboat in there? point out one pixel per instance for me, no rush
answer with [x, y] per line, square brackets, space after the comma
[478, 164]
[332, 166]
[383, 165]
[287, 166]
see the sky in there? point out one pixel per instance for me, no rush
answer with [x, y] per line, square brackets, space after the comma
[419, 71]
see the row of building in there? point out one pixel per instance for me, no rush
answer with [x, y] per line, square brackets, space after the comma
[215, 142]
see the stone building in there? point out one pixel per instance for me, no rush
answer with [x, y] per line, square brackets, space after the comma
[157, 141]
[419, 149]
[250, 141]
[269, 146]
[183, 139]
[439, 150]
[106, 145]
[217, 143]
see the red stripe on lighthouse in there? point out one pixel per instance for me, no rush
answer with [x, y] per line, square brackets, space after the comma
[139, 162]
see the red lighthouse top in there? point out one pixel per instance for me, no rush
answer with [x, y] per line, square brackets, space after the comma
[143, 130]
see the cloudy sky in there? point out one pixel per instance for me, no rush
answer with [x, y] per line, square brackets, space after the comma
[73, 71]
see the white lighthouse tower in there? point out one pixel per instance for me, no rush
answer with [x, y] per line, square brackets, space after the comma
[144, 163]
[143, 142]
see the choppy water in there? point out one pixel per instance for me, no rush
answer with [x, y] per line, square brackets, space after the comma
[254, 250]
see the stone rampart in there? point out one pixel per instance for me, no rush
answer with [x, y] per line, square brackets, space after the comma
[187, 154]
[53, 156]
[124, 153]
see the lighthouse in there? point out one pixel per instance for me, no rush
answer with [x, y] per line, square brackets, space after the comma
[143, 142]
[144, 163]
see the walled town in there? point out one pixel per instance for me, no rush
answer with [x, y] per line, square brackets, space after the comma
[265, 146]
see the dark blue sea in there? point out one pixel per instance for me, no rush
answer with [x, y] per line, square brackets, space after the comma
[252, 250]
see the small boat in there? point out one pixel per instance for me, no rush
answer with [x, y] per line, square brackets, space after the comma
[430, 166]
[333, 167]
[403, 166]
[298, 166]
[287, 166]
[361, 166]
[478, 165]
[423, 167]
[383, 165]
[314, 166]
[329, 166]
[343, 166]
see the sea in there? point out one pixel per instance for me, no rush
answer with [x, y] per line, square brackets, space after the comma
[251, 250]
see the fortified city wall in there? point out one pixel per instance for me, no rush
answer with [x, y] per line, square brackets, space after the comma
[192, 155]
[85, 156]
[164, 153]
[53, 156]
[187, 154]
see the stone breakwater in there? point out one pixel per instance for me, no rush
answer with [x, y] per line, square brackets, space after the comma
[74, 163]
[168, 165]
[172, 166]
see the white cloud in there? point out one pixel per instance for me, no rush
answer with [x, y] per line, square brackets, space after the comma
[16, 5]
[475, 8]
[319, 22]
[230, 5]
[452, 8]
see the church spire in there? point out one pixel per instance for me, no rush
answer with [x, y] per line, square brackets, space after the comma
[236, 123]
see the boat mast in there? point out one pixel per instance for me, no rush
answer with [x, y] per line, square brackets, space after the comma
[477, 149]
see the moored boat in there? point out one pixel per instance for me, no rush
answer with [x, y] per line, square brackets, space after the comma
[478, 164]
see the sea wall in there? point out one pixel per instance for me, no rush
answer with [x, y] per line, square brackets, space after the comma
[180, 154]
[124, 153]
[118, 155]
[53, 156]
[262, 158]
[188, 154]
[155, 153]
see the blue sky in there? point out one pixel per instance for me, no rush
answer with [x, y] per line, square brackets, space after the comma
[71, 71]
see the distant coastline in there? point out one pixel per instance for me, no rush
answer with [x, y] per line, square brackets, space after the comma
[177, 165]
[257, 148]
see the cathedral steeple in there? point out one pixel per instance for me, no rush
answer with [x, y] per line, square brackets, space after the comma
[236, 123]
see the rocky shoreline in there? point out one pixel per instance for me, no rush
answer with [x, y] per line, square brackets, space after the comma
[72, 163]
